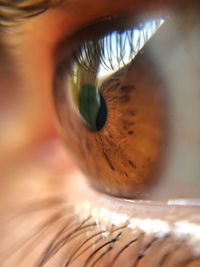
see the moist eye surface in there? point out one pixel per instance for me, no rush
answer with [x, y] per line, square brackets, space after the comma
[100, 58]
[117, 110]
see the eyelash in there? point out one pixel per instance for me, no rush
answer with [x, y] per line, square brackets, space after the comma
[111, 46]
[68, 233]
[78, 236]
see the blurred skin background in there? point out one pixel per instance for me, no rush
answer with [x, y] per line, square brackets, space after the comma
[28, 136]
[34, 164]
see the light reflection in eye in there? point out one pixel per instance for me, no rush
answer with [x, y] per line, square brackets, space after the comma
[115, 108]
[115, 50]
[116, 100]
[97, 61]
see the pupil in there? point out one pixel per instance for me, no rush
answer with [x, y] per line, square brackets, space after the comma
[102, 114]
[92, 107]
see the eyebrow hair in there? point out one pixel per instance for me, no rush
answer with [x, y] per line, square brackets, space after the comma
[14, 11]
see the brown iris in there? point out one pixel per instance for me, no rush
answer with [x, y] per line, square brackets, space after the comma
[115, 122]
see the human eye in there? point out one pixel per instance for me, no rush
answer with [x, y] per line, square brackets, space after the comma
[126, 91]
[113, 115]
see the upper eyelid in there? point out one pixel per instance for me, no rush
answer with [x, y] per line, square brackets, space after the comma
[93, 30]
[95, 18]
[102, 17]
[15, 12]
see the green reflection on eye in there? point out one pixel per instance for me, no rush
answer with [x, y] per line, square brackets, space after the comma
[86, 97]
[97, 60]
[92, 107]
[108, 88]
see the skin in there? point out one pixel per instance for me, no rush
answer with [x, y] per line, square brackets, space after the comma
[41, 169]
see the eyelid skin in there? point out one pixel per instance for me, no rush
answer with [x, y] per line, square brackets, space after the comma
[62, 21]
[175, 228]
[75, 219]
[100, 200]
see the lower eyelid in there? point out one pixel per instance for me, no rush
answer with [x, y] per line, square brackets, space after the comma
[86, 227]
[157, 218]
